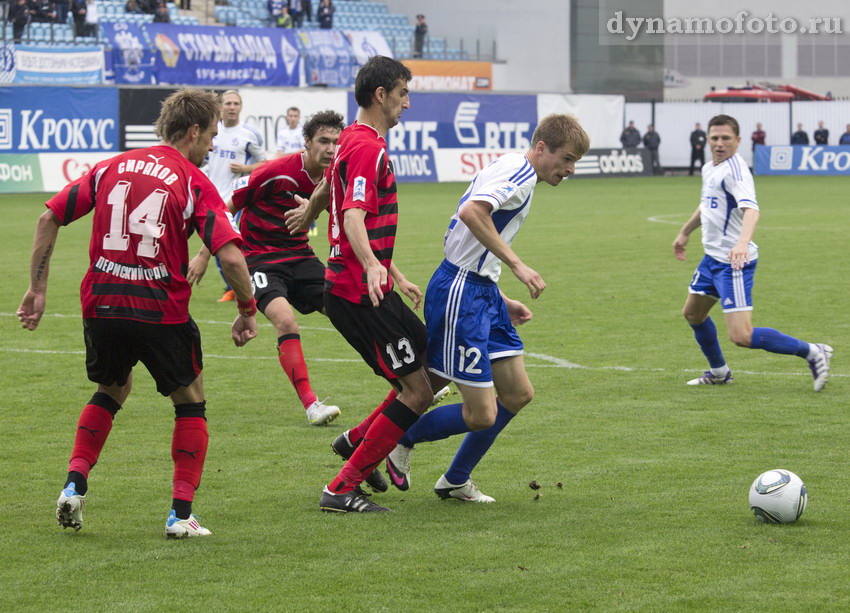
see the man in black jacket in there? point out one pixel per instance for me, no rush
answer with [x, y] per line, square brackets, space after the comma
[697, 148]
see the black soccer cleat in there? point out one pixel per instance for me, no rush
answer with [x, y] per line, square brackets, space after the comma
[342, 447]
[349, 502]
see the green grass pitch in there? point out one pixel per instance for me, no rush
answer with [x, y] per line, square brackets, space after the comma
[653, 512]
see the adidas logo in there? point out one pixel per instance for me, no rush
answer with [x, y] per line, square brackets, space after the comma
[727, 302]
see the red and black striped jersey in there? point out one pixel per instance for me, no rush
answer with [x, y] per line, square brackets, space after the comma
[264, 198]
[360, 176]
[146, 202]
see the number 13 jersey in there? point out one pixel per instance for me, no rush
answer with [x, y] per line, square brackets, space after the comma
[146, 202]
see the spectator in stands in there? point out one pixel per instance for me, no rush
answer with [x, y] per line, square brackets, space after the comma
[845, 138]
[821, 135]
[697, 148]
[325, 16]
[284, 20]
[185, 5]
[132, 7]
[161, 15]
[296, 10]
[44, 11]
[651, 140]
[758, 136]
[307, 5]
[19, 15]
[630, 137]
[79, 8]
[91, 18]
[800, 137]
[273, 7]
[419, 35]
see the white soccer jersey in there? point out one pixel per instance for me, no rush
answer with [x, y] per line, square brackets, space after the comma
[241, 144]
[290, 140]
[727, 189]
[508, 185]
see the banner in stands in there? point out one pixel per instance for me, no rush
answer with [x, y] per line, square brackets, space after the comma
[450, 76]
[132, 60]
[802, 160]
[44, 172]
[614, 163]
[450, 137]
[7, 63]
[58, 65]
[58, 119]
[203, 55]
[328, 58]
[139, 109]
[365, 44]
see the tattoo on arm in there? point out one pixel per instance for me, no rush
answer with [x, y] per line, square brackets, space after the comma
[39, 273]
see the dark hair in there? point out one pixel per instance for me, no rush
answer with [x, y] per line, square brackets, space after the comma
[185, 108]
[323, 119]
[558, 131]
[378, 71]
[725, 120]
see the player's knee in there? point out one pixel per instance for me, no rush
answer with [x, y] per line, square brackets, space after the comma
[692, 317]
[480, 422]
[742, 338]
[517, 399]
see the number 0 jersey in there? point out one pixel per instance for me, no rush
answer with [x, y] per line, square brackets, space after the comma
[146, 202]
[727, 189]
[507, 184]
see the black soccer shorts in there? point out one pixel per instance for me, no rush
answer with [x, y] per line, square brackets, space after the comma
[301, 283]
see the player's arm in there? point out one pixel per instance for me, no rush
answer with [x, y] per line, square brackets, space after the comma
[681, 241]
[198, 264]
[300, 218]
[32, 305]
[245, 168]
[407, 288]
[517, 311]
[739, 255]
[353, 220]
[236, 273]
[478, 218]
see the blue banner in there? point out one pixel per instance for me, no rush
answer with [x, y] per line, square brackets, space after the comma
[132, 60]
[328, 58]
[802, 160]
[58, 65]
[462, 131]
[202, 55]
[58, 119]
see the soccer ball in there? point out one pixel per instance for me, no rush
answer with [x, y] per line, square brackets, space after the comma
[778, 497]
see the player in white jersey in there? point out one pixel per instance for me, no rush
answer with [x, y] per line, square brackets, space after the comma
[471, 334]
[290, 139]
[237, 150]
[728, 213]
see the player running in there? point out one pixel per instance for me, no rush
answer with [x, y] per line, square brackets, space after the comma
[728, 213]
[471, 336]
[135, 299]
[284, 270]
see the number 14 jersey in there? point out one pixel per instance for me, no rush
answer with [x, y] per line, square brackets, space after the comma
[146, 202]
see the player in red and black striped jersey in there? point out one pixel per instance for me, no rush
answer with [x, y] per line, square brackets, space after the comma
[135, 295]
[284, 270]
[360, 277]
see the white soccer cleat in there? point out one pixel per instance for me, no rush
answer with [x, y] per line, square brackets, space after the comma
[438, 397]
[467, 492]
[709, 378]
[819, 365]
[183, 528]
[319, 414]
[398, 467]
[69, 508]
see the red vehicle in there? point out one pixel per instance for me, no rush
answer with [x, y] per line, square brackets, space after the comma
[763, 92]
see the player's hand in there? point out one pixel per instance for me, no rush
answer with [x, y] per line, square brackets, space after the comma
[243, 329]
[376, 278]
[296, 219]
[411, 290]
[529, 277]
[518, 312]
[679, 246]
[31, 309]
[197, 270]
[739, 256]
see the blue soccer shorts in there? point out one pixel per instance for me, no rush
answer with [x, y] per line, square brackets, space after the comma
[468, 326]
[733, 288]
